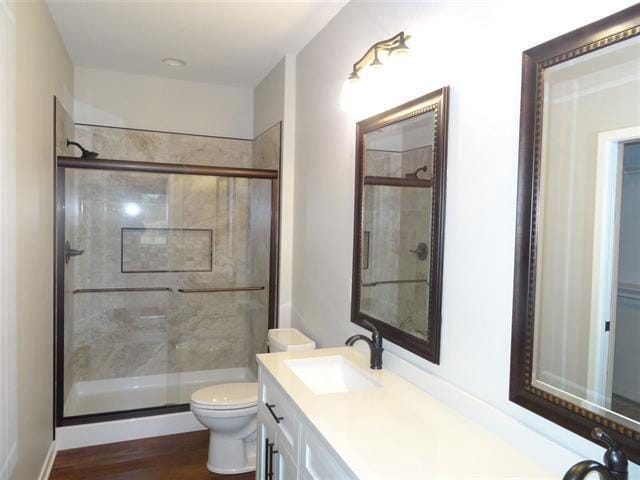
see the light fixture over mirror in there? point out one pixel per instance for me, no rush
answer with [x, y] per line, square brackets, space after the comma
[396, 45]
[364, 81]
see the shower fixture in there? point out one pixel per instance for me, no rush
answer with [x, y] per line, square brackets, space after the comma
[421, 251]
[396, 45]
[415, 174]
[85, 153]
[405, 322]
[70, 252]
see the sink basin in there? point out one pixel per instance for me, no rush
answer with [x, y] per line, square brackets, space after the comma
[331, 374]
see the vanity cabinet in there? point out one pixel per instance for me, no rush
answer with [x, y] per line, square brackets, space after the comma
[289, 448]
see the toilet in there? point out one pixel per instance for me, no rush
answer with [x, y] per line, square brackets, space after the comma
[229, 411]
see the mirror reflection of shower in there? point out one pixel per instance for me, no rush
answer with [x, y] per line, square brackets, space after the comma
[415, 174]
[397, 209]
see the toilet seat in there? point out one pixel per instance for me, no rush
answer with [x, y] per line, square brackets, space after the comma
[226, 396]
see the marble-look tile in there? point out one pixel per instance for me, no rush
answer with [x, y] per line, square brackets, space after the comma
[149, 146]
[266, 149]
[134, 333]
[398, 219]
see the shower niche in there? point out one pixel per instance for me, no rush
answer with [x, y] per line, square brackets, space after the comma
[173, 282]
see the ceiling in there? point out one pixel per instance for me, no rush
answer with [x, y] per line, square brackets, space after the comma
[226, 42]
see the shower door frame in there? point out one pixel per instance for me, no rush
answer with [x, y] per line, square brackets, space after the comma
[64, 162]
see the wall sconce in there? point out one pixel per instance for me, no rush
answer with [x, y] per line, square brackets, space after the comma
[396, 45]
[369, 65]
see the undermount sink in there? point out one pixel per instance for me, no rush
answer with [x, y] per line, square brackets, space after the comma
[331, 374]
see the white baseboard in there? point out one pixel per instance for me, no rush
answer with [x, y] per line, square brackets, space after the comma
[6, 469]
[122, 430]
[45, 471]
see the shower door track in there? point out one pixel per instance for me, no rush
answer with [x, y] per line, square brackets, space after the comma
[63, 162]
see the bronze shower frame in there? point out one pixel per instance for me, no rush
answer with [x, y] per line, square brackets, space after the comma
[64, 162]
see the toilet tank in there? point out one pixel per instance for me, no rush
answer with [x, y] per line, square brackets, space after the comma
[288, 339]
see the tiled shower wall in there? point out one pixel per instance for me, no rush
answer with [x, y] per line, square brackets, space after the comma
[266, 154]
[126, 334]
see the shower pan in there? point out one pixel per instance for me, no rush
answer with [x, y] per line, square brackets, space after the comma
[165, 282]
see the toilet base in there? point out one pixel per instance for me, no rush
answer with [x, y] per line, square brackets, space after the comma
[251, 467]
[228, 456]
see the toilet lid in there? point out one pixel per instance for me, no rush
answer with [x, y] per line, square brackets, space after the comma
[227, 395]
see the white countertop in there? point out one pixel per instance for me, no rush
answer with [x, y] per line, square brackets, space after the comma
[397, 430]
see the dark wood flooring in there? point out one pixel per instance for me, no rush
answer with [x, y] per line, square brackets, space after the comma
[172, 457]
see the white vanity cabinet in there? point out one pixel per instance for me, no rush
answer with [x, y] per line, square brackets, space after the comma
[289, 448]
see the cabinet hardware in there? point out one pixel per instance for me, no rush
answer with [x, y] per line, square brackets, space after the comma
[265, 469]
[273, 414]
[268, 459]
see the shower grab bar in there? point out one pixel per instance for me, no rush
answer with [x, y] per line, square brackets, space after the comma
[106, 290]
[629, 290]
[388, 282]
[222, 289]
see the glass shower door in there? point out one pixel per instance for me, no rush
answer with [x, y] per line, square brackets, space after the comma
[219, 321]
[166, 286]
[118, 289]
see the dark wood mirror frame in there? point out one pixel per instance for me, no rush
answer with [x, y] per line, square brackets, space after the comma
[438, 103]
[610, 30]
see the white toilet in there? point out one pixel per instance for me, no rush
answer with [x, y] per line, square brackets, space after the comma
[229, 410]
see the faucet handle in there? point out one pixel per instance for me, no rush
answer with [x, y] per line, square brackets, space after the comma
[375, 334]
[374, 331]
[614, 458]
[366, 323]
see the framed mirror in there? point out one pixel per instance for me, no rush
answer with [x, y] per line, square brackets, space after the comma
[399, 223]
[576, 318]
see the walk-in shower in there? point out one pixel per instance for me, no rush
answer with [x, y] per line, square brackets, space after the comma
[166, 281]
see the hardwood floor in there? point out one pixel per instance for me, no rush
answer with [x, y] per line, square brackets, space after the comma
[172, 457]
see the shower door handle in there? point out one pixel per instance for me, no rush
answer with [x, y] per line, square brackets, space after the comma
[70, 252]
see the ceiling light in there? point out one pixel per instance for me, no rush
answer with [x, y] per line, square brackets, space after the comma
[174, 62]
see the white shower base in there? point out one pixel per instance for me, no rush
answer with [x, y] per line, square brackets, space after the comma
[118, 394]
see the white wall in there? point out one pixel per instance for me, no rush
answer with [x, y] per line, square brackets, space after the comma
[118, 99]
[8, 394]
[43, 69]
[476, 48]
[268, 100]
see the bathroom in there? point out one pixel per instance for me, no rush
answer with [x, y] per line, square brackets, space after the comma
[243, 183]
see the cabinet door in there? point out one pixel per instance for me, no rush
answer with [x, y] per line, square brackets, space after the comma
[266, 438]
[284, 466]
[317, 462]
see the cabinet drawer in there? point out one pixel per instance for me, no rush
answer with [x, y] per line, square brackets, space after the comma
[278, 410]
